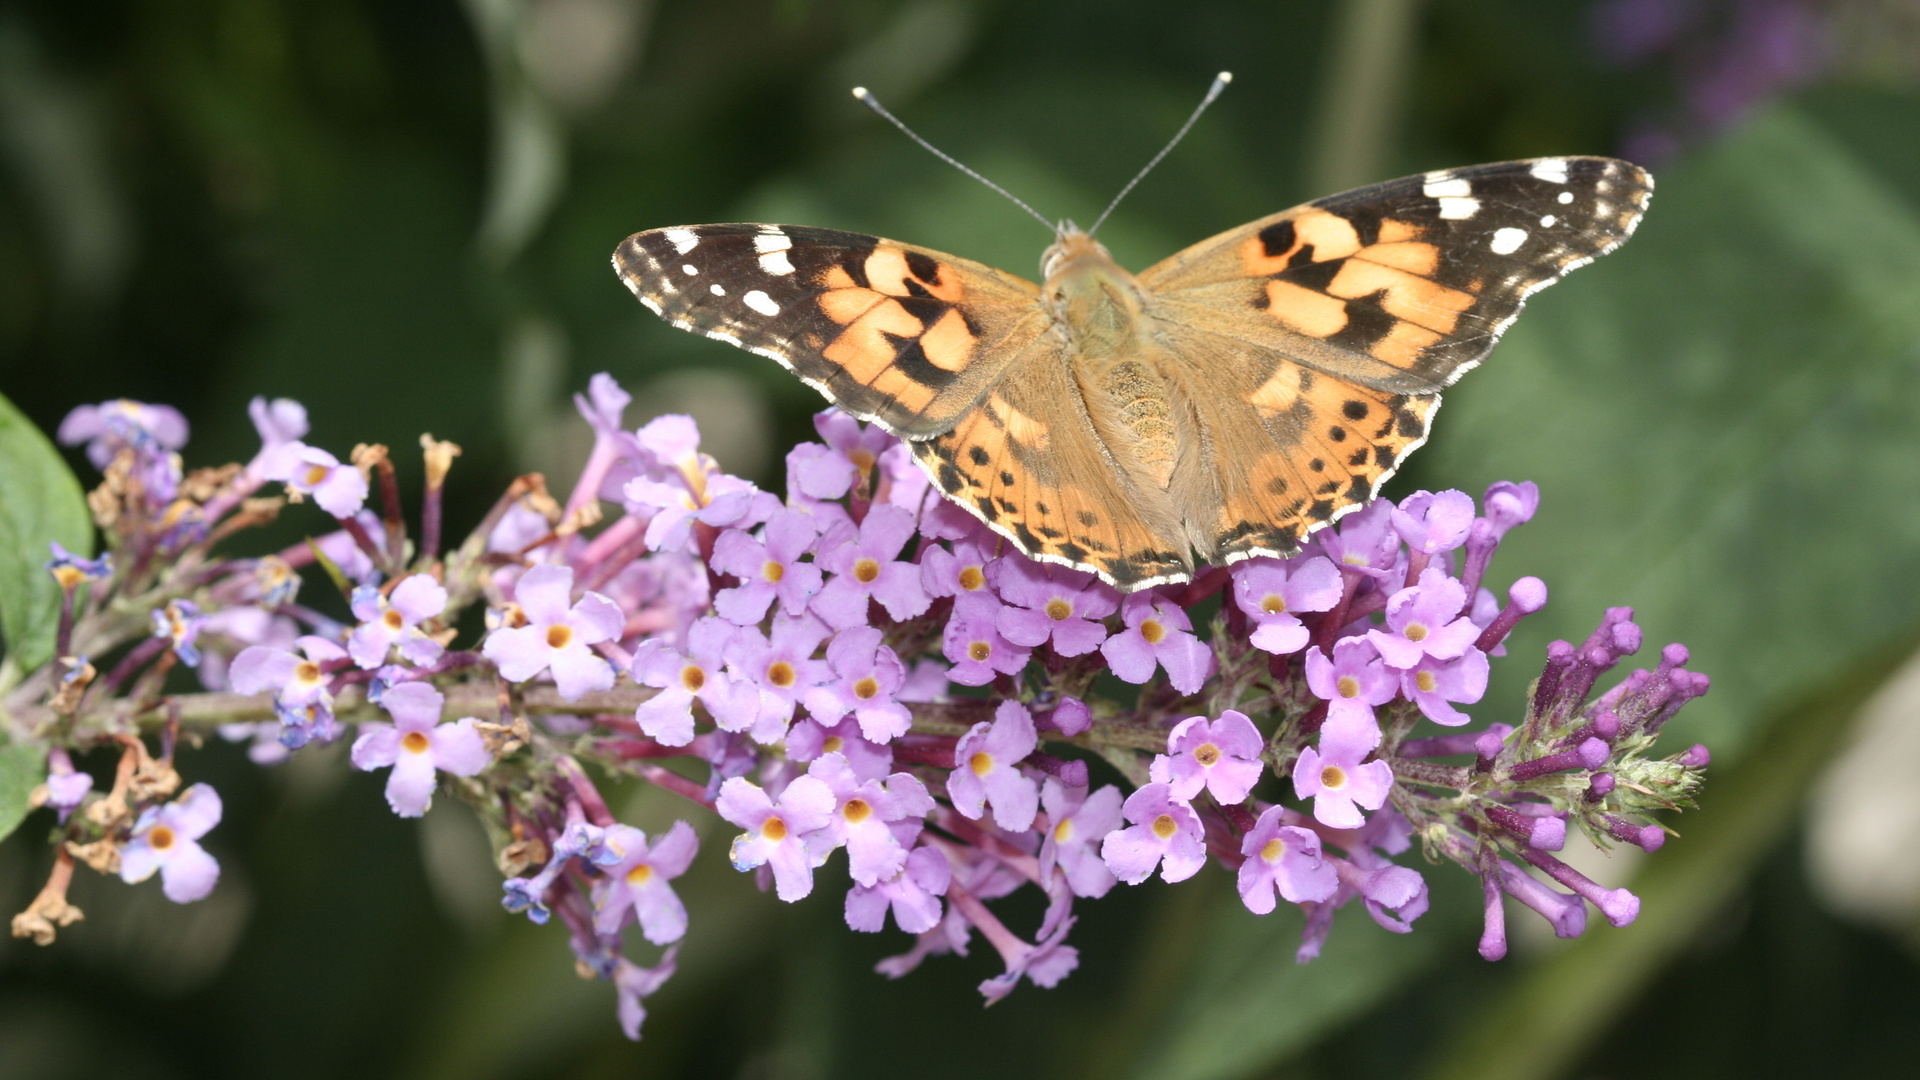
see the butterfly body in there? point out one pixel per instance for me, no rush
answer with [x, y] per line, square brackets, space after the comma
[1222, 404]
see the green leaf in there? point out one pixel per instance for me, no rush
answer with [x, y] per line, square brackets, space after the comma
[40, 502]
[1722, 421]
[22, 766]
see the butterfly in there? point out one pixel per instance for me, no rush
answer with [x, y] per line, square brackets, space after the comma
[1223, 404]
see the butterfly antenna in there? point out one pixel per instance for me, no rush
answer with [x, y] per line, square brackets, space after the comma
[866, 98]
[1220, 82]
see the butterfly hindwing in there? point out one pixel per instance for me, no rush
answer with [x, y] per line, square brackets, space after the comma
[1404, 285]
[893, 333]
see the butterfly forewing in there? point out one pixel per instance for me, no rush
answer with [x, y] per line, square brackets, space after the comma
[1404, 285]
[893, 333]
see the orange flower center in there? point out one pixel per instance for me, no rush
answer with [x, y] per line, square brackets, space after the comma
[1206, 754]
[780, 674]
[414, 742]
[306, 672]
[1416, 632]
[866, 688]
[1063, 832]
[832, 744]
[1153, 631]
[559, 636]
[1273, 604]
[979, 651]
[1425, 681]
[981, 763]
[314, 474]
[1164, 827]
[392, 619]
[1273, 849]
[160, 838]
[1333, 777]
[1058, 609]
[774, 829]
[1347, 687]
[862, 459]
[972, 578]
[773, 571]
[856, 810]
[693, 678]
[866, 571]
[641, 874]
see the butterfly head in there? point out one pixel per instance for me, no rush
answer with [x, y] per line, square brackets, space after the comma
[1084, 287]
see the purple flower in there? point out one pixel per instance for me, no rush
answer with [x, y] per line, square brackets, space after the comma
[869, 675]
[862, 561]
[958, 572]
[903, 483]
[556, 636]
[862, 813]
[1269, 592]
[1509, 504]
[281, 423]
[633, 984]
[913, 894]
[1158, 633]
[70, 570]
[180, 622]
[638, 882]
[67, 787]
[165, 839]
[1284, 859]
[111, 426]
[1394, 895]
[808, 739]
[1334, 778]
[1364, 540]
[1353, 682]
[815, 472]
[1047, 602]
[1222, 756]
[1077, 822]
[1431, 524]
[860, 444]
[1432, 684]
[389, 621]
[782, 669]
[1166, 833]
[1425, 620]
[777, 834]
[308, 470]
[415, 744]
[1044, 963]
[716, 499]
[973, 641]
[985, 769]
[699, 673]
[767, 570]
[296, 680]
[578, 840]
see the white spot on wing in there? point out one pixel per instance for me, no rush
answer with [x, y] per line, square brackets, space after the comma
[775, 240]
[683, 240]
[1566, 197]
[1442, 186]
[1456, 208]
[761, 303]
[1507, 241]
[1552, 170]
[775, 262]
[1548, 222]
[716, 289]
[688, 269]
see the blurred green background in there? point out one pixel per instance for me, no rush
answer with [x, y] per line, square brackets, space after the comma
[400, 212]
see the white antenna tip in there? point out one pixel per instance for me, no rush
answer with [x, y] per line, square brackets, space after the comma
[1225, 77]
[861, 93]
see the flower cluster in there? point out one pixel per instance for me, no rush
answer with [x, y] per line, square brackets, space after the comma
[861, 666]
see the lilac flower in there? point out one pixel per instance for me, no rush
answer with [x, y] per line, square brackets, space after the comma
[1221, 756]
[716, 499]
[111, 426]
[768, 570]
[973, 641]
[1333, 776]
[913, 894]
[985, 769]
[1432, 684]
[580, 839]
[1051, 603]
[781, 668]
[555, 636]
[1166, 833]
[808, 739]
[1270, 591]
[415, 744]
[860, 444]
[67, 787]
[777, 834]
[389, 621]
[1159, 633]
[180, 622]
[1353, 682]
[698, 674]
[295, 679]
[1044, 963]
[1425, 620]
[1077, 822]
[165, 838]
[281, 423]
[1364, 540]
[302, 724]
[1509, 504]
[1432, 524]
[862, 812]
[869, 676]
[958, 572]
[70, 570]
[308, 470]
[638, 882]
[634, 984]
[1394, 895]
[903, 483]
[862, 560]
[1285, 859]
[815, 473]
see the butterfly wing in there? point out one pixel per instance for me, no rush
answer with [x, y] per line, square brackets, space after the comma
[899, 335]
[1311, 345]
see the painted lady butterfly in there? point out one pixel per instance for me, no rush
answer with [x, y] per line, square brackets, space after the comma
[1227, 402]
